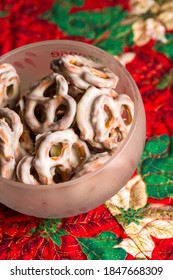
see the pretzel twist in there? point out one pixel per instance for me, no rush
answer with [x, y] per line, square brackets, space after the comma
[13, 120]
[55, 111]
[9, 85]
[74, 63]
[102, 124]
[25, 171]
[83, 72]
[7, 158]
[109, 124]
[58, 154]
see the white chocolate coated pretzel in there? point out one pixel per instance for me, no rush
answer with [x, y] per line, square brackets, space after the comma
[13, 120]
[84, 114]
[107, 119]
[7, 158]
[9, 85]
[48, 107]
[24, 171]
[83, 72]
[99, 117]
[74, 63]
[60, 151]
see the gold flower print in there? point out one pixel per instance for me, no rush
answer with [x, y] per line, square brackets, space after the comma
[140, 220]
[150, 20]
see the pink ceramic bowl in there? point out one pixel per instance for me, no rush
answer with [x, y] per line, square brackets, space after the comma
[32, 62]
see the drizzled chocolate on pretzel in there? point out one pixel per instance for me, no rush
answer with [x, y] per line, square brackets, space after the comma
[65, 125]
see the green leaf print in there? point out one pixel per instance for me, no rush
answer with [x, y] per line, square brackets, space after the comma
[105, 29]
[119, 37]
[165, 48]
[51, 228]
[101, 247]
[56, 237]
[156, 166]
[163, 82]
[3, 13]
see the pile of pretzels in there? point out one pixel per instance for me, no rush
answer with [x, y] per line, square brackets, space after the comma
[63, 126]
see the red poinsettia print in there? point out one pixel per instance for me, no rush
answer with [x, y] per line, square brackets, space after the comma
[163, 249]
[29, 30]
[24, 237]
[159, 120]
[28, 7]
[89, 224]
[21, 26]
[147, 69]
[25, 30]
[164, 201]
[5, 31]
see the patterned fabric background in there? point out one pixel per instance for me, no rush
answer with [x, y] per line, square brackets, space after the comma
[137, 223]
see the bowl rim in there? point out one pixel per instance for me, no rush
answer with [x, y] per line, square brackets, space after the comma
[136, 96]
